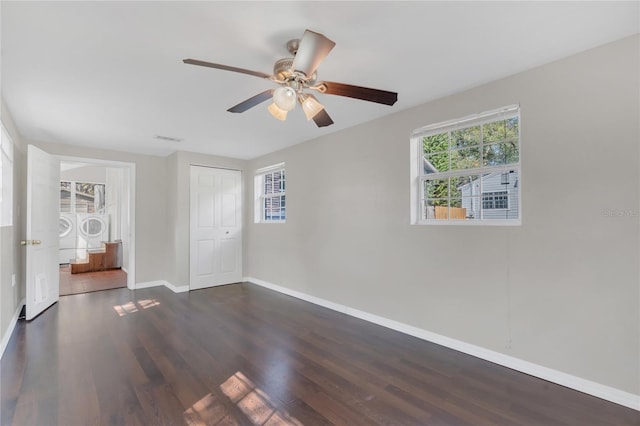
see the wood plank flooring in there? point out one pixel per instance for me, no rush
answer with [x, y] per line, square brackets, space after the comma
[90, 281]
[244, 355]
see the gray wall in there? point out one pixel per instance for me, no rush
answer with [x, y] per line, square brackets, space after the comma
[90, 174]
[561, 291]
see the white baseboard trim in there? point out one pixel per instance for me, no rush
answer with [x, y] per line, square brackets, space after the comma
[574, 382]
[149, 284]
[12, 326]
[158, 283]
[177, 289]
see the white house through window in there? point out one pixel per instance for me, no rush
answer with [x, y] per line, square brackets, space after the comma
[468, 170]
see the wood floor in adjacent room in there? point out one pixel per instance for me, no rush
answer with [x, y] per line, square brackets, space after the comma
[241, 354]
[90, 281]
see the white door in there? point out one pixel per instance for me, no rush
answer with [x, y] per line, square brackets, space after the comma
[215, 254]
[42, 240]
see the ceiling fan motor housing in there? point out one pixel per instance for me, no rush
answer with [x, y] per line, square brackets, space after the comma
[282, 68]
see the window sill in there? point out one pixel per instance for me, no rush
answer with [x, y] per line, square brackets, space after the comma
[470, 222]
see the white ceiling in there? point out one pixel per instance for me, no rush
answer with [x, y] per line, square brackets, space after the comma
[110, 74]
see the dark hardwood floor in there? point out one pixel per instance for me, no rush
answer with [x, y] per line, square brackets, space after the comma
[241, 354]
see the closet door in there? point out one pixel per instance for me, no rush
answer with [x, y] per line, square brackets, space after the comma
[215, 254]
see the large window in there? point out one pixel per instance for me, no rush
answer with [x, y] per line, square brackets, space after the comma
[468, 170]
[270, 205]
[6, 178]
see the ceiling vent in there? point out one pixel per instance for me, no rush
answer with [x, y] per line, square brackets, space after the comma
[167, 138]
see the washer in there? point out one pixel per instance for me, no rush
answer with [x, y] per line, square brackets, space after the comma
[68, 233]
[93, 229]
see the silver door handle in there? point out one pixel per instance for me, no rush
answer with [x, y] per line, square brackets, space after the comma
[30, 242]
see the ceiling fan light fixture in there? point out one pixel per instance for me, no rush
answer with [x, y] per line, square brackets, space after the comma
[285, 98]
[310, 106]
[277, 112]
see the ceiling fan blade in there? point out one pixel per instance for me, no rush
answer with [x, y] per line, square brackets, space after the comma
[322, 119]
[357, 92]
[252, 101]
[225, 67]
[313, 48]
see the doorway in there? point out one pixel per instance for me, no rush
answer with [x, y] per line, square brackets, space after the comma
[96, 225]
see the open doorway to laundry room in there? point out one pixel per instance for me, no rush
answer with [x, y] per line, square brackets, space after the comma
[95, 226]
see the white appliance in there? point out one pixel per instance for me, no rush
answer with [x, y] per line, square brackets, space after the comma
[68, 233]
[93, 229]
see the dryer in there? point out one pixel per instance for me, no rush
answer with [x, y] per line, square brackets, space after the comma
[93, 229]
[67, 229]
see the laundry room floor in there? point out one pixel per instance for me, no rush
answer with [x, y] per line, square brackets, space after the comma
[90, 281]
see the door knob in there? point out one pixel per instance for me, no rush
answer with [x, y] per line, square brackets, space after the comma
[30, 242]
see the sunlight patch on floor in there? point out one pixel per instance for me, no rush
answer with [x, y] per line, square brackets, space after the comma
[132, 307]
[207, 411]
[251, 400]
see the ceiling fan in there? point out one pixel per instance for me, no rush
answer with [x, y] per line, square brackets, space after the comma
[298, 74]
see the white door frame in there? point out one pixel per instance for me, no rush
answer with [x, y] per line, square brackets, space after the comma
[131, 168]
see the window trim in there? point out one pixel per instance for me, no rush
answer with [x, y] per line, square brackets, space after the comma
[417, 173]
[260, 196]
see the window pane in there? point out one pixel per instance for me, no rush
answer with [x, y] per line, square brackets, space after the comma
[438, 188]
[493, 132]
[442, 209]
[274, 208]
[435, 143]
[464, 186]
[500, 153]
[465, 137]
[436, 209]
[511, 127]
[273, 183]
[472, 207]
[500, 195]
[436, 163]
[465, 158]
[456, 210]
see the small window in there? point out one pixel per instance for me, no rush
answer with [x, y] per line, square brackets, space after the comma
[270, 197]
[467, 171]
[6, 179]
[495, 200]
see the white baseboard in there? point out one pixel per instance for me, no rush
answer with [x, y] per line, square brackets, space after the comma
[176, 289]
[158, 283]
[12, 326]
[574, 382]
